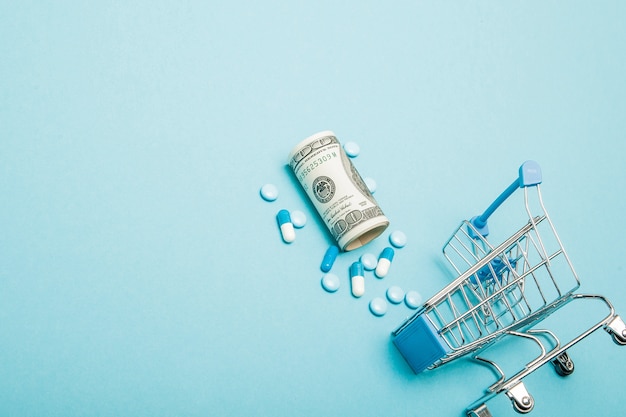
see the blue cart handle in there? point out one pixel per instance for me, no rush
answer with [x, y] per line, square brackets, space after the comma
[529, 175]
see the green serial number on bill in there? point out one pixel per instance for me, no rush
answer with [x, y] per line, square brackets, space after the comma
[306, 170]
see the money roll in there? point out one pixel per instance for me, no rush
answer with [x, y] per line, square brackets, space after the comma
[337, 191]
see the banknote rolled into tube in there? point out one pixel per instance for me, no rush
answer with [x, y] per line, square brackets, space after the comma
[337, 191]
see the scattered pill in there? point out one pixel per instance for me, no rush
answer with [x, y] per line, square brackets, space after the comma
[397, 239]
[330, 282]
[384, 262]
[269, 192]
[357, 280]
[352, 149]
[395, 294]
[413, 299]
[369, 261]
[298, 219]
[329, 258]
[378, 306]
[370, 184]
[286, 227]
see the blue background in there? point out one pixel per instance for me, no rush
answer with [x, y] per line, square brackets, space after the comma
[140, 272]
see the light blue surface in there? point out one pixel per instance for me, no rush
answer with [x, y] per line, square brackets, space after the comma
[142, 275]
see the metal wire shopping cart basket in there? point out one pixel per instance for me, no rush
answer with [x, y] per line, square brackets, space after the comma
[501, 290]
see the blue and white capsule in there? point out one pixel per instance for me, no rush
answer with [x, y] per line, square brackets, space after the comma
[329, 258]
[357, 279]
[287, 231]
[384, 262]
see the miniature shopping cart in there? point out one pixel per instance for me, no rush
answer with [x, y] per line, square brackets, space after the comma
[501, 290]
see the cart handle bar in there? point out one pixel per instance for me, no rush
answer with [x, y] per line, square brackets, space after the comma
[529, 175]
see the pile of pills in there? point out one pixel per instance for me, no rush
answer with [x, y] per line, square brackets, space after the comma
[380, 266]
[289, 221]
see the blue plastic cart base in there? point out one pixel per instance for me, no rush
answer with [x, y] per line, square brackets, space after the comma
[420, 344]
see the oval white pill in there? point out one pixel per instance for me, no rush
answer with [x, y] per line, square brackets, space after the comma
[369, 261]
[330, 282]
[352, 149]
[269, 192]
[397, 239]
[298, 219]
[382, 269]
[370, 184]
[378, 306]
[413, 299]
[395, 294]
[358, 286]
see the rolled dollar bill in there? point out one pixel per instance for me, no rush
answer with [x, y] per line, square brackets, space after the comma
[337, 191]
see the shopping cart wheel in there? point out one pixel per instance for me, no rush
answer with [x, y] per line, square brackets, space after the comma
[480, 411]
[522, 401]
[563, 364]
[619, 339]
[617, 329]
[524, 407]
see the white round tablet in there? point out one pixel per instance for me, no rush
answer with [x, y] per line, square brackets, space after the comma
[330, 282]
[352, 149]
[413, 299]
[397, 239]
[369, 261]
[269, 192]
[378, 306]
[298, 219]
[370, 183]
[395, 294]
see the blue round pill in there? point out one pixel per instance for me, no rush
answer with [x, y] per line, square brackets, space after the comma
[378, 306]
[395, 294]
[269, 192]
[298, 219]
[369, 261]
[330, 282]
[397, 239]
[352, 149]
[413, 299]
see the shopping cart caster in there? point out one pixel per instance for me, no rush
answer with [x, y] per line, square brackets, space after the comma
[563, 364]
[617, 329]
[522, 401]
[480, 411]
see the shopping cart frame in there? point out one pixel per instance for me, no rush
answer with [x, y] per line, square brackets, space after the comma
[502, 291]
